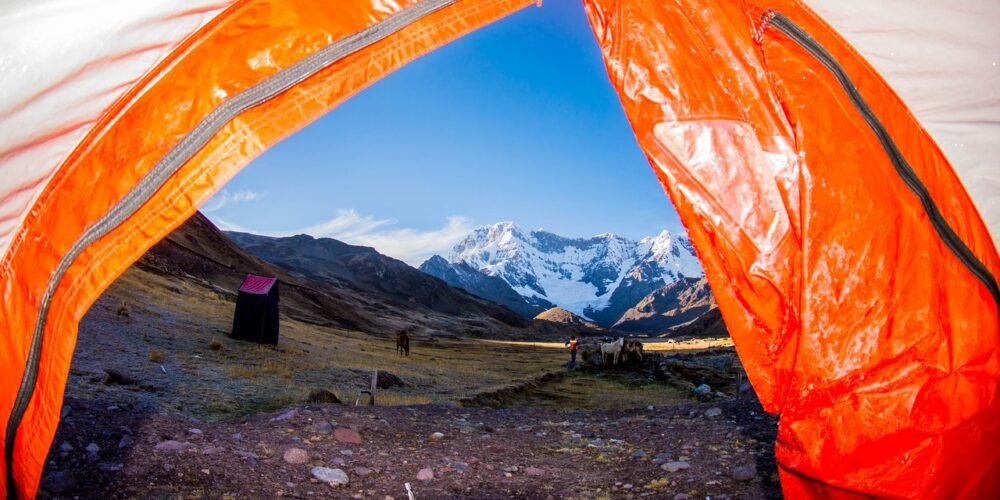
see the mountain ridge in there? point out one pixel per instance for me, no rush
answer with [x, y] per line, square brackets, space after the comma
[599, 278]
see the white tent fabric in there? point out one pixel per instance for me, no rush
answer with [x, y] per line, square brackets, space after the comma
[63, 63]
[943, 58]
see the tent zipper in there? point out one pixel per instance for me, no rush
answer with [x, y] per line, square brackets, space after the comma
[903, 169]
[171, 162]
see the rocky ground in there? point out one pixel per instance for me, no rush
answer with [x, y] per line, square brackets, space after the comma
[722, 449]
[161, 404]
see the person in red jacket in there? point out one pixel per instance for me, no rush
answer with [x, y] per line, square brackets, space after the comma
[574, 345]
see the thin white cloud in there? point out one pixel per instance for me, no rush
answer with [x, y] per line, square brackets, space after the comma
[226, 197]
[412, 246]
[229, 226]
[346, 225]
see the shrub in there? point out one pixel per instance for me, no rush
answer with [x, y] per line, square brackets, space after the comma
[215, 344]
[155, 356]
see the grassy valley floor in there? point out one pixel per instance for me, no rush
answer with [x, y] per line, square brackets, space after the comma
[230, 412]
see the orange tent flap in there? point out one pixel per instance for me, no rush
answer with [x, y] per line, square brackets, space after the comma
[207, 75]
[874, 335]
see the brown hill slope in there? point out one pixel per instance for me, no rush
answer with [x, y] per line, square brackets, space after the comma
[669, 306]
[560, 315]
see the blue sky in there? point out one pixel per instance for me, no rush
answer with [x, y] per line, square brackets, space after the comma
[514, 122]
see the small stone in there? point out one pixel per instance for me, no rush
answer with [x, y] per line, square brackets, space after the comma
[172, 446]
[237, 436]
[168, 467]
[93, 448]
[333, 477]
[745, 473]
[125, 442]
[59, 481]
[489, 467]
[286, 415]
[196, 432]
[512, 468]
[460, 466]
[682, 496]
[713, 412]
[66, 410]
[113, 408]
[321, 427]
[346, 453]
[425, 474]
[362, 471]
[662, 458]
[338, 461]
[534, 471]
[347, 435]
[109, 467]
[639, 454]
[675, 466]
[213, 450]
[296, 456]
[437, 436]
[65, 446]
[703, 389]
[206, 472]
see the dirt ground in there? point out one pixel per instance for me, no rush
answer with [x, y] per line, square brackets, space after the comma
[483, 454]
[198, 415]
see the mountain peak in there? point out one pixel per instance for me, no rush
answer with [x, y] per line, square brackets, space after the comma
[581, 275]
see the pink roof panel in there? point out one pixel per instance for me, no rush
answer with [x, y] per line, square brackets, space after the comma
[257, 285]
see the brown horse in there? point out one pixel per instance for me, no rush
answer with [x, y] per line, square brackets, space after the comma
[403, 343]
[632, 349]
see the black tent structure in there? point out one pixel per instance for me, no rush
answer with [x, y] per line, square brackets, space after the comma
[256, 316]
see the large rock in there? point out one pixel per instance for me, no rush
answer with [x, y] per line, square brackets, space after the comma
[318, 396]
[425, 474]
[58, 482]
[388, 380]
[333, 477]
[319, 427]
[296, 456]
[675, 466]
[118, 377]
[347, 435]
[745, 473]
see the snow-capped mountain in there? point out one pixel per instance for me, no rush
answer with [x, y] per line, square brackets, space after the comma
[599, 278]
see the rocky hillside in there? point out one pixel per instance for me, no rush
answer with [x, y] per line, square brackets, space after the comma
[676, 303]
[392, 282]
[560, 315]
[493, 288]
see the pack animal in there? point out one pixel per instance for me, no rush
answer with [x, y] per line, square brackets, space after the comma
[632, 349]
[403, 343]
[614, 349]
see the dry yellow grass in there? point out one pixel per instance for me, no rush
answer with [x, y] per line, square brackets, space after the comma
[648, 345]
[221, 376]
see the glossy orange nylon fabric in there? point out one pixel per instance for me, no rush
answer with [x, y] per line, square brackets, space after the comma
[854, 321]
[250, 41]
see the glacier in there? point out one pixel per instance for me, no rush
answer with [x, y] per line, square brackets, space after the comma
[581, 275]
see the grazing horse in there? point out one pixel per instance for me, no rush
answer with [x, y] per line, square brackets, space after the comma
[630, 348]
[612, 348]
[403, 343]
